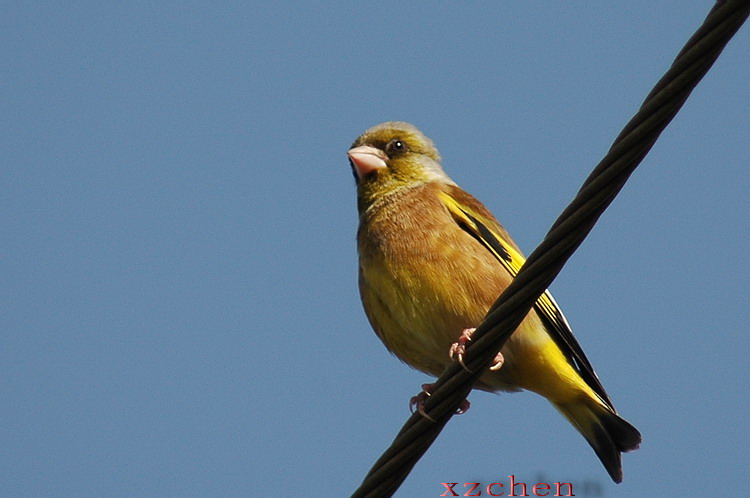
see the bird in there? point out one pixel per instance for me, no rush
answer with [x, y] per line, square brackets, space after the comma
[433, 259]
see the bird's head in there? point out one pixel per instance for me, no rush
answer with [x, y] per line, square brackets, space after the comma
[390, 157]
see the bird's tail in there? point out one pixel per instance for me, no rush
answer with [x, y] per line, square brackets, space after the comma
[606, 432]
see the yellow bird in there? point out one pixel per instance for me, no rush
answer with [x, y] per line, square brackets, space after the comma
[433, 259]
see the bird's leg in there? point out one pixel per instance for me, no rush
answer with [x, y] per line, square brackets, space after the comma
[458, 349]
[419, 399]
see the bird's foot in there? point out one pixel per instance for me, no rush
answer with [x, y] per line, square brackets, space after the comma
[458, 349]
[418, 402]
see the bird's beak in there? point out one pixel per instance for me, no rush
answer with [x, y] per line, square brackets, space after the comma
[366, 159]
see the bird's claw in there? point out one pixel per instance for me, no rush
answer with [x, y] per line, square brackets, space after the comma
[458, 349]
[418, 402]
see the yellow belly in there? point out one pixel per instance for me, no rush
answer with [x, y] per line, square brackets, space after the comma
[418, 319]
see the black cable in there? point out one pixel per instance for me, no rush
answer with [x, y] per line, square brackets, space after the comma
[566, 234]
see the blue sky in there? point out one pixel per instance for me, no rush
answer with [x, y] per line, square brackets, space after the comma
[180, 314]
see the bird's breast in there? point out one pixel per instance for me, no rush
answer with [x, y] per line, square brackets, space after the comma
[423, 280]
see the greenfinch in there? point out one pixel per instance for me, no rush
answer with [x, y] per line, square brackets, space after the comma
[433, 259]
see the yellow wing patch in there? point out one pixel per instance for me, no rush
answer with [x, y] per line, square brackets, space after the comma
[505, 253]
[546, 306]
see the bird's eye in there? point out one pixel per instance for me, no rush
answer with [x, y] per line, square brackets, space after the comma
[395, 147]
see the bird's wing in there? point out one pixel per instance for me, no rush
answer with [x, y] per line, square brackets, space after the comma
[476, 220]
